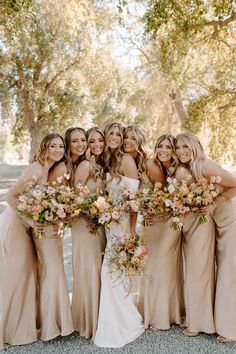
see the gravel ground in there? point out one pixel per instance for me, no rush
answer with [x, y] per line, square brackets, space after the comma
[161, 342]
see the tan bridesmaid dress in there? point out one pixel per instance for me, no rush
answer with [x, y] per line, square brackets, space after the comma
[54, 304]
[87, 257]
[199, 247]
[17, 281]
[225, 298]
[161, 300]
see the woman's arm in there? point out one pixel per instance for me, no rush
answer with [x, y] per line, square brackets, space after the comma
[228, 180]
[32, 173]
[58, 171]
[212, 168]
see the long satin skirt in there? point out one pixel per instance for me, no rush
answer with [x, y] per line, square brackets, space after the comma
[161, 300]
[199, 259]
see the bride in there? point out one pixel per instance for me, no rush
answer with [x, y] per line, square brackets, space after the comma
[119, 321]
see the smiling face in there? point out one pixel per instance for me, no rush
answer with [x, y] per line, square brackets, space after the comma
[130, 143]
[78, 144]
[96, 143]
[55, 150]
[183, 152]
[114, 138]
[164, 151]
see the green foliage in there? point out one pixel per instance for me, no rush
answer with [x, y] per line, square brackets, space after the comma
[196, 51]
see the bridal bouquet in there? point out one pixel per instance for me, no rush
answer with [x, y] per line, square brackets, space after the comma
[126, 258]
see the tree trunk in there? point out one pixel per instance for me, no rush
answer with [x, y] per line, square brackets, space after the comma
[35, 139]
[178, 105]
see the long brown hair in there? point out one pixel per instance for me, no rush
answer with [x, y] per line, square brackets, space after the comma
[168, 172]
[70, 164]
[112, 159]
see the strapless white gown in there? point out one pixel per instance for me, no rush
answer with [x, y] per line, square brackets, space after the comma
[119, 321]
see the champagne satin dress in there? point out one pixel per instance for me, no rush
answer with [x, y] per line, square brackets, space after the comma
[199, 259]
[18, 305]
[225, 299]
[54, 304]
[87, 255]
[161, 300]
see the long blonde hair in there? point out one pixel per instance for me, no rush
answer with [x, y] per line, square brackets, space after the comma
[112, 159]
[42, 154]
[142, 150]
[198, 156]
[97, 166]
[170, 171]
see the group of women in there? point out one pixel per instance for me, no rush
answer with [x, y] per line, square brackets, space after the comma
[191, 273]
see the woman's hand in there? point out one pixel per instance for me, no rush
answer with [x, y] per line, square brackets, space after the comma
[206, 209]
[147, 219]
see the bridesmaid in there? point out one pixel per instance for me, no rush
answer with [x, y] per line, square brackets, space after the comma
[17, 254]
[198, 246]
[161, 295]
[75, 147]
[87, 249]
[54, 304]
[190, 152]
[119, 321]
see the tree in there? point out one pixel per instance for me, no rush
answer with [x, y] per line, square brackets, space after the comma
[49, 57]
[195, 48]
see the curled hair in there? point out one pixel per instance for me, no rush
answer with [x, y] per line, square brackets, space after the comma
[70, 164]
[198, 156]
[170, 171]
[42, 154]
[97, 166]
[141, 148]
[112, 159]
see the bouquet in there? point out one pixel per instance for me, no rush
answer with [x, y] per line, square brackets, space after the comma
[152, 202]
[184, 198]
[40, 204]
[49, 204]
[100, 211]
[126, 258]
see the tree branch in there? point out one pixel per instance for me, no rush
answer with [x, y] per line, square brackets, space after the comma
[50, 83]
[215, 23]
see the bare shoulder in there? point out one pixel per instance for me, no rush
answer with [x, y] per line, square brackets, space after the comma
[33, 170]
[211, 167]
[128, 167]
[126, 159]
[82, 172]
[152, 166]
[154, 172]
[85, 165]
[127, 162]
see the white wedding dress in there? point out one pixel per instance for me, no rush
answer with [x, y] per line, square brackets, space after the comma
[119, 321]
